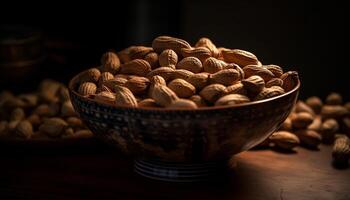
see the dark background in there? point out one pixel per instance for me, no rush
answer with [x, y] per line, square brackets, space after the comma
[304, 36]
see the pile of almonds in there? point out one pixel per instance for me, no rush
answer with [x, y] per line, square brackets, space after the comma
[47, 113]
[173, 74]
[313, 122]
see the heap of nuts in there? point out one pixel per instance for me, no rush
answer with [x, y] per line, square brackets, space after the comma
[173, 74]
[313, 122]
[47, 113]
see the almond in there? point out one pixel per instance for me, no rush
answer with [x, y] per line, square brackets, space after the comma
[183, 103]
[212, 92]
[124, 97]
[165, 72]
[284, 140]
[192, 64]
[274, 82]
[153, 59]
[87, 88]
[225, 77]
[275, 69]
[333, 111]
[264, 73]
[240, 57]
[199, 80]
[309, 138]
[213, 65]
[254, 84]
[207, 43]
[148, 103]
[105, 97]
[168, 57]
[137, 85]
[67, 109]
[138, 67]
[163, 95]
[302, 120]
[334, 99]
[161, 43]
[201, 53]
[24, 129]
[53, 127]
[232, 99]
[290, 80]
[105, 76]
[269, 92]
[198, 100]
[315, 103]
[110, 62]
[300, 106]
[328, 130]
[182, 88]
[90, 75]
[236, 67]
[236, 88]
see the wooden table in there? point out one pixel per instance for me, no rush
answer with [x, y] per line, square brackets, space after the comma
[97, 172]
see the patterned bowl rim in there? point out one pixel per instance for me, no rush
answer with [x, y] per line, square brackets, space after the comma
[212, 108]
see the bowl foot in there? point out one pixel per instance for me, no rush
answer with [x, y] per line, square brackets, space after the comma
[180, 172]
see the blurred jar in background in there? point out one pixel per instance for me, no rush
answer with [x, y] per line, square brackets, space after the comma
[22, 53]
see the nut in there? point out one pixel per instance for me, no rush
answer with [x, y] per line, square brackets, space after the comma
[213, 65]
[236, 88]
[17, 114]
[53, 127]
[137, 85]
[105, 97]
[274, 82]
[105, 76]
[231, 99]
[269, 92]
[138, 67]
[192, 64]
[236, 67]
[182, 88]
[87, 88]
[183, 103]
[110, 63]
[302, 120]
[316, 124]
[202, 53]
[199, 80]
[165, 72]
[24, 129]
[334, 99]
[225, 77]
[74, 122]
[333, 111]
[134, 52]
[275, 69]
[153, 59]
[284, 140]
[90, 75]
[148, 103]
[67, 109]
[302, 107]
[290, 80]
[254, 84]
[124, 97]
[341, 151]
[212, 92]
[315, 103]
[309, 138]
[182, 74]
[168, 57]
[240, 57]
[328, 129]
[198, 100]
[161, 43]
[207, 43]
[251, 70]
[286, 125]
[163, 95]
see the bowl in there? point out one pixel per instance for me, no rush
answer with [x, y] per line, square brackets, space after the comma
[179, 144]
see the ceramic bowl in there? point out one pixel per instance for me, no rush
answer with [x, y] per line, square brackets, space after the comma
[166, 141]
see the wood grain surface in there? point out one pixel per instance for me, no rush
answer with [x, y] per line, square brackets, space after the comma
[98, 172]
